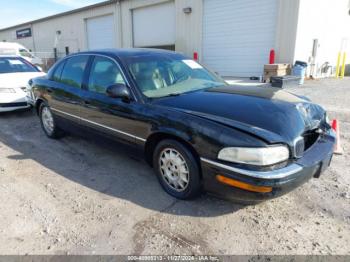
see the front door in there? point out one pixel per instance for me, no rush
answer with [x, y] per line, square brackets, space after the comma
[105, 114]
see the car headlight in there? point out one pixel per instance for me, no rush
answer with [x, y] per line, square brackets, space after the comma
[261, 156]
[326, 117]
[7, 90]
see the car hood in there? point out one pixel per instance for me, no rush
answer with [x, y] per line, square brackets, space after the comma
[268, 113]
[18, 79]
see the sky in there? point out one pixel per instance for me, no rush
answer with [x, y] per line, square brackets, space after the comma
[13, 12]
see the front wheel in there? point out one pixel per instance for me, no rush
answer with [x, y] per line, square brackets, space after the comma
[177, 170]
[48, 122]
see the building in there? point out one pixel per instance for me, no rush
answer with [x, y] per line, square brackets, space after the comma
[232, 37]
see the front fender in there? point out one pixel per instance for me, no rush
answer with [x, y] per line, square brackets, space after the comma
[206, 137]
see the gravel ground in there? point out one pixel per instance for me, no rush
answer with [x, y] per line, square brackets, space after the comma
[78, 197]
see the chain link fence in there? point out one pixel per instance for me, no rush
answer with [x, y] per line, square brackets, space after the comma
[47, 58]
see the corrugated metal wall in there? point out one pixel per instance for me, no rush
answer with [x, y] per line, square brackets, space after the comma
[73, 28]
[189, 28]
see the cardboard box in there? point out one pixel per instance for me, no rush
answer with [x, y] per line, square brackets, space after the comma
[276, 70]
[277, 67]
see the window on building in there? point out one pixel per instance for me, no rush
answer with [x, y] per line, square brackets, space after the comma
[73, 71]
[104, 73]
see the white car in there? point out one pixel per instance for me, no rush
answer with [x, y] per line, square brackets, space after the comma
[15, 72]
[7, 48]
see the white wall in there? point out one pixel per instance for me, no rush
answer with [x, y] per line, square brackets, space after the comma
[10, 36]
[287, 22]
[297, 25]
[325, 20]
[72, 27]
[188, 26]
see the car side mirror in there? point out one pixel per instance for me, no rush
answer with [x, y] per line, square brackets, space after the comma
[119, 91]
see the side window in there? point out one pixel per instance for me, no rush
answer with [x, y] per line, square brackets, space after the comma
[104, 73]
[25, 53]
[73, 71]
[58, 72]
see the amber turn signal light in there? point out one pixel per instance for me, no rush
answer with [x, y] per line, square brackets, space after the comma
[242, 185]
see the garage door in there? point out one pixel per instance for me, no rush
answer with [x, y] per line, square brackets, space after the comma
[238, 35]
[100, 32]
[154, 26]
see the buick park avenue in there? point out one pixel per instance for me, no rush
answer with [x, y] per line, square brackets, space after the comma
[197, 132]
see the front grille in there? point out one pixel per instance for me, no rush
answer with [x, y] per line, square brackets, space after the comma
[299, 147]
[304, 142]
[13, 104]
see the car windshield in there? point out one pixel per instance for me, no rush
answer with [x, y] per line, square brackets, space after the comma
[15, 65]
[161, 76]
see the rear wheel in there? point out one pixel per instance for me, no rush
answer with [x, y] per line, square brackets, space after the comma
[48, 122]
[177, 170]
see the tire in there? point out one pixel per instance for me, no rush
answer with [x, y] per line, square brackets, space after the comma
[52, 131]
[177, 170]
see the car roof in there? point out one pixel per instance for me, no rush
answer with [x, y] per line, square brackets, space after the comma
[11, 56]
[127, 52]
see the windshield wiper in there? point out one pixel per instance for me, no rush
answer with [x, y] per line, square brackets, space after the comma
[169, 95]
[175, 94]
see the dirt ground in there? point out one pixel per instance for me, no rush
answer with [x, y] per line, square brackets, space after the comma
[74, 196]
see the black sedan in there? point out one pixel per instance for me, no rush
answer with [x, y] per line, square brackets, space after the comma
[198, 133]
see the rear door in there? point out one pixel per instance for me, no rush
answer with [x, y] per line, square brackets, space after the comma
[66, 85]
[111, 116]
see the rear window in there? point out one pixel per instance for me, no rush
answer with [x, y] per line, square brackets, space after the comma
[15, 65]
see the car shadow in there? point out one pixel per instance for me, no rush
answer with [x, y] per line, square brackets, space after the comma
[110, 168]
